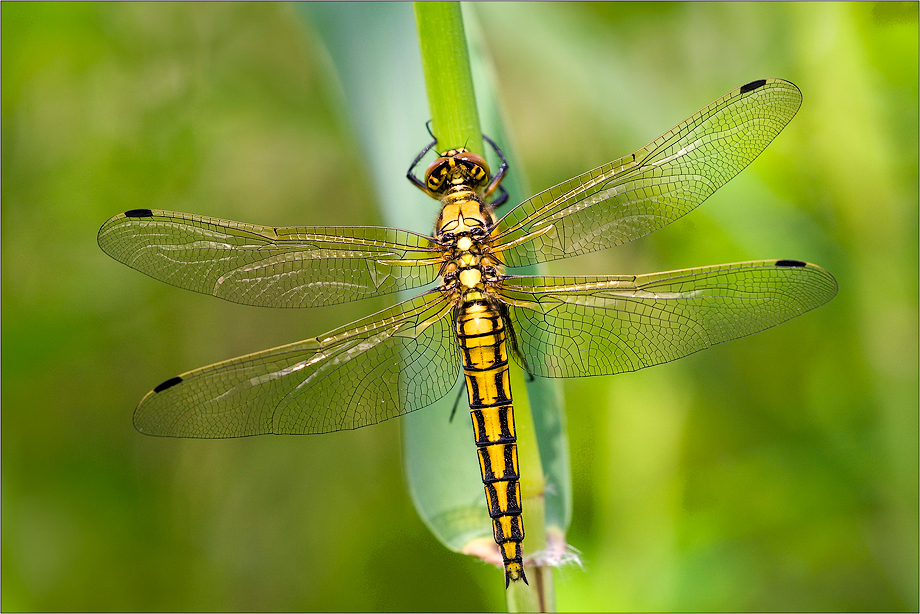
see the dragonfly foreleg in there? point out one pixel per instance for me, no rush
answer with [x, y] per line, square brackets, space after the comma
[497, 178]
[410, 174]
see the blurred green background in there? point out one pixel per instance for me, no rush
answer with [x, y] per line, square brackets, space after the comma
[777, 472]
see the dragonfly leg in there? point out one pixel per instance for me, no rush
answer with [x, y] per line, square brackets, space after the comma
[410, 174]
[501, 199]
[453, 412]
[498, 176]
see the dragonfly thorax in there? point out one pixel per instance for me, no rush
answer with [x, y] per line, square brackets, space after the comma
[463, 213]
[468, 262]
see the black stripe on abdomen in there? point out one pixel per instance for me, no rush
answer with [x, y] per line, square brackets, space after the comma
[481, 333]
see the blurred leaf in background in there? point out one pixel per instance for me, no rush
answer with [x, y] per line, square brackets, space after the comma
[778, 472]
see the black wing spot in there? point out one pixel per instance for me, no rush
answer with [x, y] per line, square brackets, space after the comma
[168, 384]
[753, 85]
[139, 213]
[790, 263]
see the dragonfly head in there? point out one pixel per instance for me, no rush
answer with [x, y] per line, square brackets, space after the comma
[457, 167]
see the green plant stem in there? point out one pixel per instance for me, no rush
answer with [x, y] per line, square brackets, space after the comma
[455, 123]
[448, 78]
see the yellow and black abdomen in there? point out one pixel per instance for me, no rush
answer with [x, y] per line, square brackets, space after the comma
[481, 332]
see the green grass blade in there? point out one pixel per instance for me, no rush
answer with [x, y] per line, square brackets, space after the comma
[389, 114]
[375, 53]
[448, 79]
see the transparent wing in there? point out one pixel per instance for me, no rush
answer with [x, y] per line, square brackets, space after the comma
[631, 197]
[386, 365]
[577, 326]
[268, 266]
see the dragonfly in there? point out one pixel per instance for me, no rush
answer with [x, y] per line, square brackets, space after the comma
[476, 315]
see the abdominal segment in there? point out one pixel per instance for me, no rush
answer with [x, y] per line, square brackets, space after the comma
[481, 332]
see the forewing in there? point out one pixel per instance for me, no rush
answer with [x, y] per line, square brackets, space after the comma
[268, 266]
[631, 197]
[577, 326]
[386, 365]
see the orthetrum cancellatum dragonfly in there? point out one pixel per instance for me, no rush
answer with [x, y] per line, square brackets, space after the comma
[408, 356]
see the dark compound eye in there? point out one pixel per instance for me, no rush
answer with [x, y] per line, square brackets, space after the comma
[476, 165]
[435, 173]
[471, 160]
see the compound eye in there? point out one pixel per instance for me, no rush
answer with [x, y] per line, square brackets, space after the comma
[435, 174]
[476, 165]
